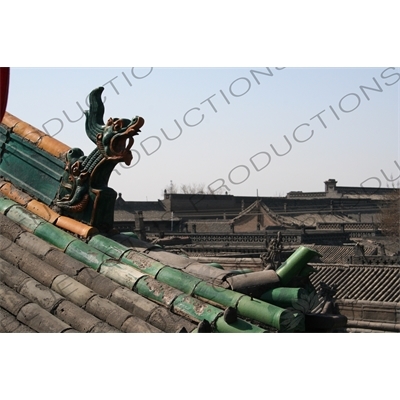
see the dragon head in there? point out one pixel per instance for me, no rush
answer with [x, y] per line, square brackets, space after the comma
[115, 138]
[118, 136]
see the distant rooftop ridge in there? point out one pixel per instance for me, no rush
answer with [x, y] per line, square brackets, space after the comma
[331, 191]
[334, 191]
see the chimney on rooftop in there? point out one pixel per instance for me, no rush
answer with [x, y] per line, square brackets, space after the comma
[330, 185]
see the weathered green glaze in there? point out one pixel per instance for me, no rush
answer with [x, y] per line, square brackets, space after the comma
[132, 278]
[188, 306]
[238, 326]
[156, 291]
[283, 296]
[4, 135]
[125, 255]
[178, 279]
[198, 310]
[306, 271]
[217, 295]
[30, 168]
[28, 220]
[86, 254]
[216, 265]
[120, 273]
[5, 204]
[271, 315]
[144, 263]
[294, 264]
[53, 235]
[108, 246]
[268, 314]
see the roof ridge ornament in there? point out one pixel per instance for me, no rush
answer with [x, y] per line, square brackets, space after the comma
[84, 193]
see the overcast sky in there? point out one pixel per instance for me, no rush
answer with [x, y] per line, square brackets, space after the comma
[270, 130]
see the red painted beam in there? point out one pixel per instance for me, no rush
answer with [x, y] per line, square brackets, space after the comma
[4, 82]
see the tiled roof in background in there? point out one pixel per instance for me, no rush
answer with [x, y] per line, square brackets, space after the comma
[123, 215]
[207, 226]
[311, 219]
[339, 254]
[371, 283]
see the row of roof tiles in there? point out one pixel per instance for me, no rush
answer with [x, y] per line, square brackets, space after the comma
[370, 283]
[339, 254]
[45, 290]
[38, 291]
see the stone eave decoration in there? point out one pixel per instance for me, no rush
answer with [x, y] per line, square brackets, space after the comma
[84, 193]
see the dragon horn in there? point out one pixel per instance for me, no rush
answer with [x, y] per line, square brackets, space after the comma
[94, 117]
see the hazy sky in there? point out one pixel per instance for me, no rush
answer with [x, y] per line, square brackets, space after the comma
[229, 126]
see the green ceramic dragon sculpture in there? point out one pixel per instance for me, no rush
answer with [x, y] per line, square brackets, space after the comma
[84, 191]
